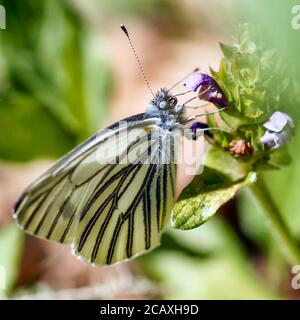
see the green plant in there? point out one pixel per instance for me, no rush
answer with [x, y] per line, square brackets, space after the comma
[251, 83]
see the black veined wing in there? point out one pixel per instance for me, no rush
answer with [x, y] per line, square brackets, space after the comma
[107, 210]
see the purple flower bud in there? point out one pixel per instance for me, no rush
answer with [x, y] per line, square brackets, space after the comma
[200, 126]
[279, 127]
[197, 79]
[207, 88]
[278, 121]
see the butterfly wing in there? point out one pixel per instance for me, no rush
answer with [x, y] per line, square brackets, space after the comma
[108, 210]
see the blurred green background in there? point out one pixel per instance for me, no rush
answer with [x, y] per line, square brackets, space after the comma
[65, 71]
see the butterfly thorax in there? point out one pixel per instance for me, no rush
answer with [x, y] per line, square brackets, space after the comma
[164, 106]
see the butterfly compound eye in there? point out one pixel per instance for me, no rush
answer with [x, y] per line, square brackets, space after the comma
[172, 101]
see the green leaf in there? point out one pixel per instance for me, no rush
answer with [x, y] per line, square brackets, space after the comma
[235, 120]
[225, 163]
[228, 51]
[11, 245]
[204, 196]
[223, 176]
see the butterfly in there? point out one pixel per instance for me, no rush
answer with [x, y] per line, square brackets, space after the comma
[107, 208]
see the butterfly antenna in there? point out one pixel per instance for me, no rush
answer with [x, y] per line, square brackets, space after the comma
[124, 29]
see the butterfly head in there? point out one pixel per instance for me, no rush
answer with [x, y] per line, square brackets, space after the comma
[165, 106]
[168, 104]
[164, 101]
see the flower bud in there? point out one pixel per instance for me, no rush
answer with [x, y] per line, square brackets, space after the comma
[207, 88]
[200, 126]
[240, 148]
[279, 128]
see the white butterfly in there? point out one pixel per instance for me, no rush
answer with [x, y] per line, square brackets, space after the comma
[108, 210]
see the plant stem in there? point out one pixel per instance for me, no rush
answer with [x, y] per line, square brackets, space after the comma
[279, 229]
